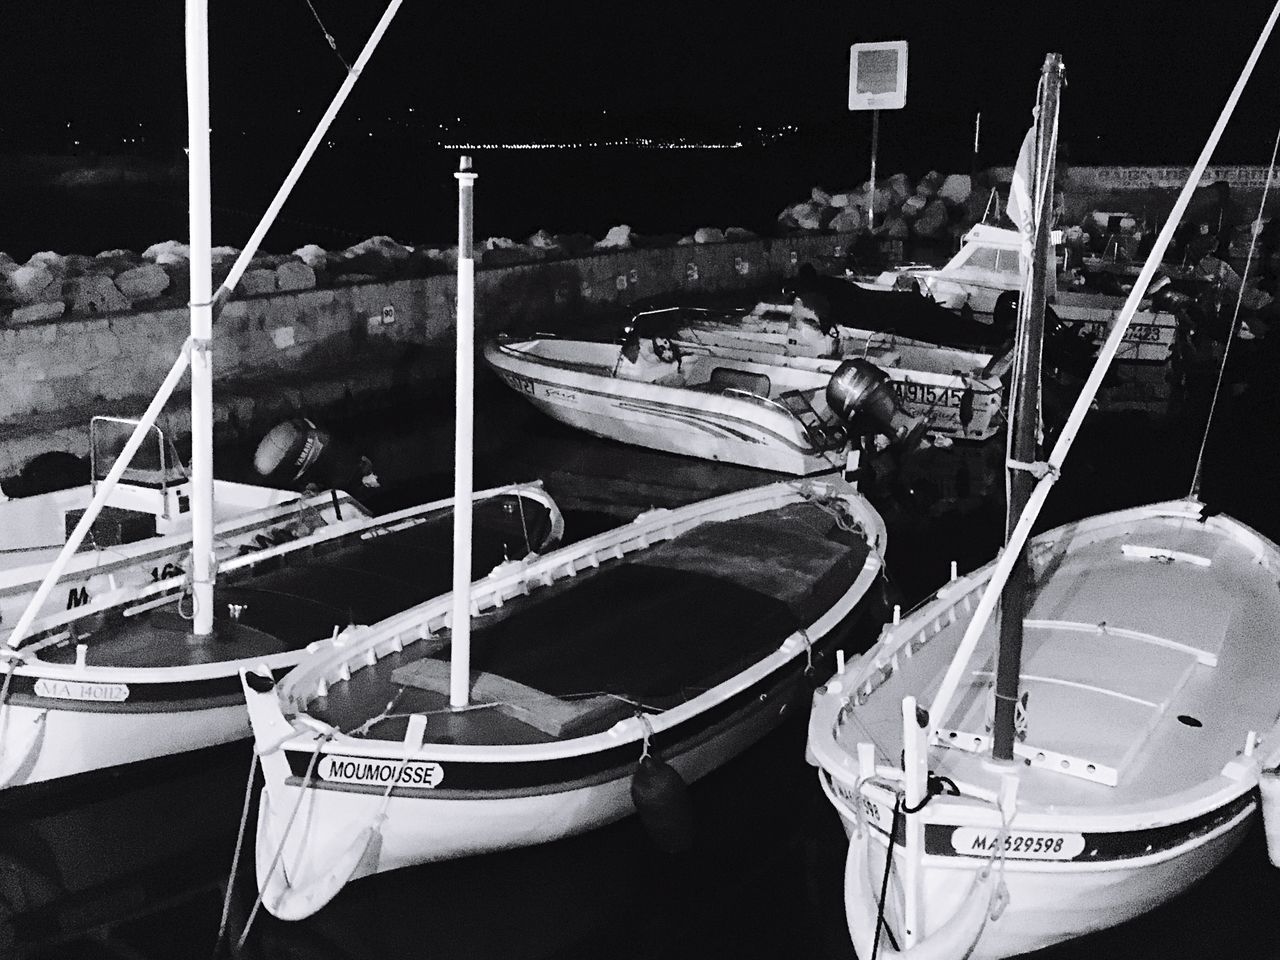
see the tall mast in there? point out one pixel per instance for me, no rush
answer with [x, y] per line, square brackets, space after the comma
[1025, 423]
[460, 647]
[197, 42]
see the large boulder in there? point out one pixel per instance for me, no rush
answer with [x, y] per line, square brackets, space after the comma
[709, 234]
[933, 221]
[912, 207]
[738, 233]
[92, 294]
[818, 195]
[929, 185]
[848, 220]
[545, 241]
[167, 251]
[956, 188]
[7, 264]
[257, 280]
[843, 199]
[115, 262]
[899, 186]
[314, 256]
[295, 275]
[808, 216]
[34, 283]
[37, 313]
[143, 283]
[895, 228]
[618, 238]
[378, 257]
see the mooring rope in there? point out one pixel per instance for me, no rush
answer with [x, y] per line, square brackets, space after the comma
[235, 857]
[1235, 320]
[266, 880]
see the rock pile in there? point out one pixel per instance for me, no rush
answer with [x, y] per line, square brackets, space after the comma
[934, 208]
[51, 285]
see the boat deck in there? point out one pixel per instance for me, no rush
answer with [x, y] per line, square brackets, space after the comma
[301, 597]
[1148, 655]
[653, 629]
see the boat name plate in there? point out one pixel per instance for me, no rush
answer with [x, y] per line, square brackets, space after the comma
[1018, 844]
[367, 770]
[81, 690]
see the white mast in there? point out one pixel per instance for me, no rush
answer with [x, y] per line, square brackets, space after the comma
[201, 315]
[460, 658]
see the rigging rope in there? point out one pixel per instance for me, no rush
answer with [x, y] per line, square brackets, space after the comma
[333, 44]
[235, 857]
[1235, 321]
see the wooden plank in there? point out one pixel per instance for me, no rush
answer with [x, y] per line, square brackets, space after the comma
[552, 715]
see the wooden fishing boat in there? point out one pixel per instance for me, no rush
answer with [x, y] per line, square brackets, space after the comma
[715, 407]
[683, 636]
[1097, 752]
[118, 680]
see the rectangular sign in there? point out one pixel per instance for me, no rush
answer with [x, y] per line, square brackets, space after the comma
[878, 75]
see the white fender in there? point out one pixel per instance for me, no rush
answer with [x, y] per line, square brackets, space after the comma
[293, 900]
[20, 739]
[954, 940]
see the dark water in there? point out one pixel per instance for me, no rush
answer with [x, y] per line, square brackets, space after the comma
[407, 190]
[135, 865]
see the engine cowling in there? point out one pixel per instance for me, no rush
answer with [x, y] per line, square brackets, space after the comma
[861, 391]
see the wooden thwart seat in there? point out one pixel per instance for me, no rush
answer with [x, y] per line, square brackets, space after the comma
[554, 716]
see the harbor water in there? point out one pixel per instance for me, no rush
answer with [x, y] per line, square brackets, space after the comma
[136, 864]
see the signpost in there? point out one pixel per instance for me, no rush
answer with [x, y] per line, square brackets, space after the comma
[877, 81]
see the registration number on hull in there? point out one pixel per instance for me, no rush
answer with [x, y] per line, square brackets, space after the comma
[1018, 844]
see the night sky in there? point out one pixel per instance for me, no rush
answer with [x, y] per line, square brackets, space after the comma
[1145, 79]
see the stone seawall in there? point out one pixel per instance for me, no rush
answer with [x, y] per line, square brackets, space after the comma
[312, 350]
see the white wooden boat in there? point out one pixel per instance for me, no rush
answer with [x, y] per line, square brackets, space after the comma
[1097, 752]
[986, 267]
[715, 407]
[957, 391]
[1149, 662]
[144, 534]
[121, 679]
[684, 635]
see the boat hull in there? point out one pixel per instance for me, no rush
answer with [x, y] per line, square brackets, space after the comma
[1052, 901]
[60, 718]
[748, 431]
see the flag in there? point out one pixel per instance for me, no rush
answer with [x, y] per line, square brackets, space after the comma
[1019, 208]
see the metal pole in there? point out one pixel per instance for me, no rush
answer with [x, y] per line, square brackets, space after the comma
[1025, 423]
[871, 184]
[460, 656]
[197, 42]
[981, 615]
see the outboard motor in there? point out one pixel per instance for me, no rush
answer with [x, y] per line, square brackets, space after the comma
[297, 452]
[859, 388]
[290, 450]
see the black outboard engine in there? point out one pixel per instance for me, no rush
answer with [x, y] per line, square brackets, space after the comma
[297, 452]
[861, 390]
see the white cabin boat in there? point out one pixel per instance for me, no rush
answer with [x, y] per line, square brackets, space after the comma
[986, 267]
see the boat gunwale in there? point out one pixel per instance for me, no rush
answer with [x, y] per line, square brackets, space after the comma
[332, 657]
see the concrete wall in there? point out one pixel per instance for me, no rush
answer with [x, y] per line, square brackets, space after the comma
[309, 349]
